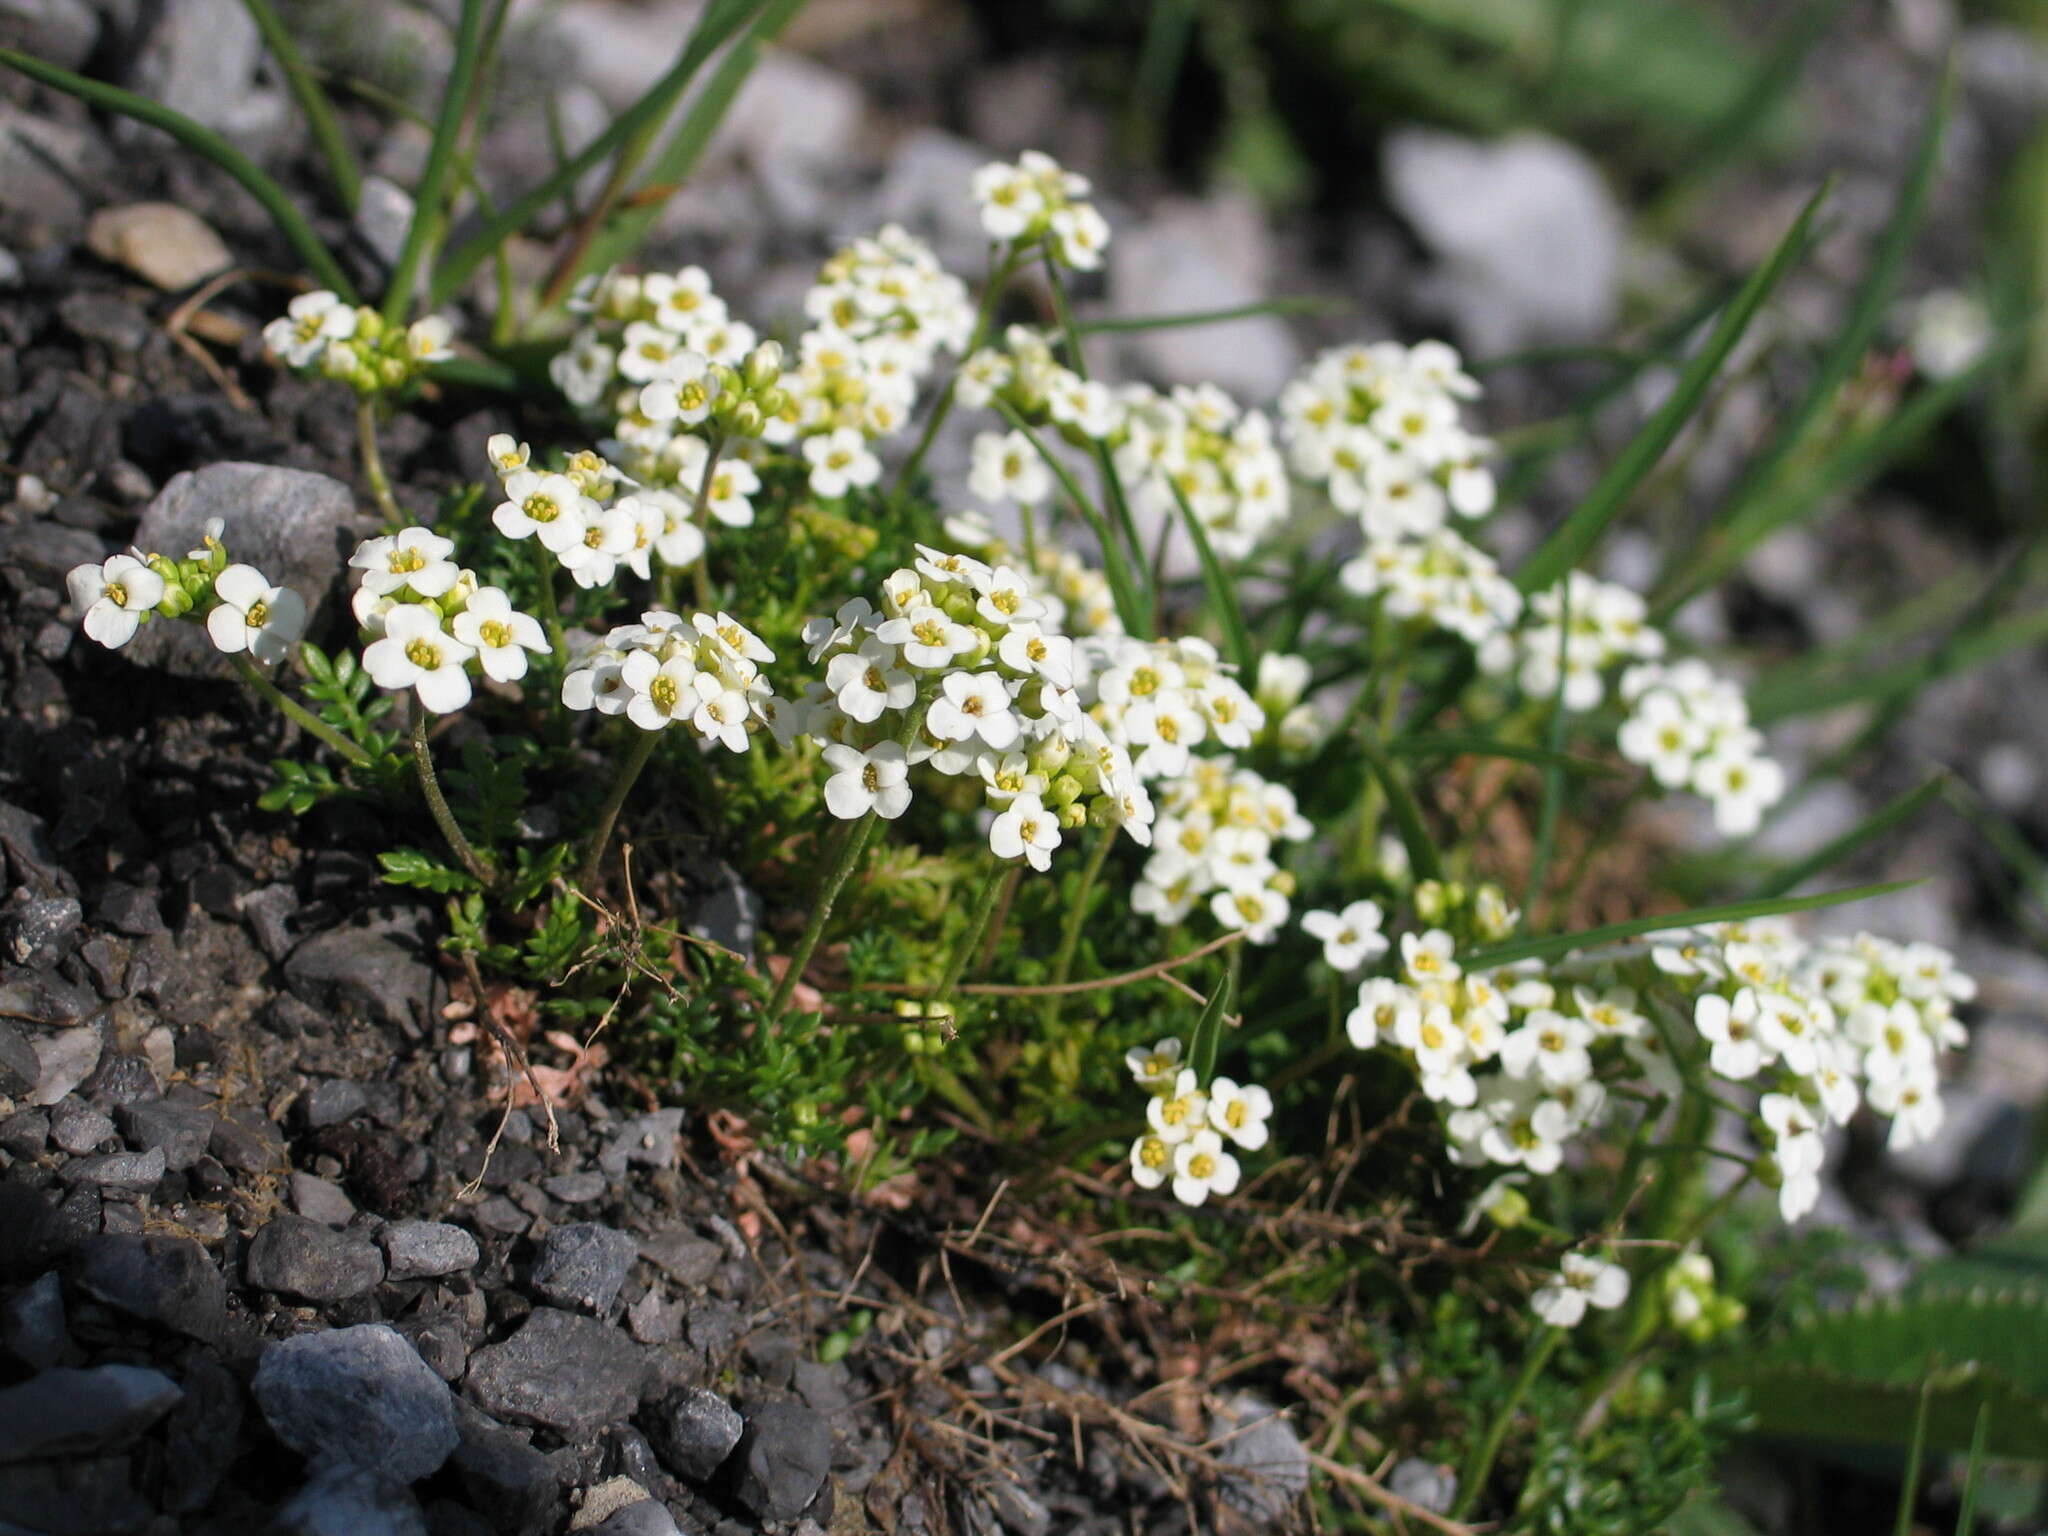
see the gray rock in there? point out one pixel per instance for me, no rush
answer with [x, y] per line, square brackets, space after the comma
[331, 1102]
[181, 1130]
[38, 931]
[371, 971]
[321, 1200]
[693, 1431]
[105, 318]
[67, 1412]
[1268, 1462]
[164, 243]
[784, 1457]
[647, 1141]
[64, 1059]
[246, 1141]
[343, 1500]
[25, 1132]
[117, 1170]
[1526, 231]
[302, 1258]
[646, 1518]
[32, 1324]
[169, 1281]
[34, 998]
[1016, 1507]
[584, 1265]
[202, 1439]
[77, 1127]
[1425, 1483]
[826, 1387]
[294, 526]
[576, 1188]
[383, 217]
[560, 1371]
[358, 1395]
[21, 1069]
[123, 1078]
[63, 32]
[651, 1322]
[418, 1249]
[686, 1257]
[925, 188]
[43, 165]
[82, 1496]
[200, 59]
[513, 1485]
[269, 910]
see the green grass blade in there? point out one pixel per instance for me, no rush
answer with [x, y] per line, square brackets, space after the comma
[206, 143]
[679, 156]
[1725, 544]
[1825, 858]
[1130, 606]
[1477, 744]
[1301, 304]
[1405, 809]
[1222, 594]
[427, 210]
[1970, 648]
[1916, 1455]
[719, 22]
[1208, 1036]
[1973, 1474]
[1559, 945]
[1574, 539]
[320, 119]
[1553, 776]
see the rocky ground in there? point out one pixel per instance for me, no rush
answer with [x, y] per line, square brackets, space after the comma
[250, 1242]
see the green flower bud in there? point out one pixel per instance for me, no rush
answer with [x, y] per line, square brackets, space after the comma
[1509, 1209]
[763, 365]
[747, 420]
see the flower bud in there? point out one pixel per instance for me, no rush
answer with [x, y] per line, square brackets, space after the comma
[747, 420]
[1073, 817]
[763, 365]
[1510, 1208]
[774, 402]
[1063, 791]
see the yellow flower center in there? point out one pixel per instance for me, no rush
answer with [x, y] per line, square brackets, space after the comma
[424, 654]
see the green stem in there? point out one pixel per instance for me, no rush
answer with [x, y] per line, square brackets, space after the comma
[550, 605]
[1479, 1463]
[700, 573]
[608, 814]
[299, 715]
[320, 119]
[423, 232]
[430, 785]
[373, 462]
[999, 275]
[1077, 914]
[977, 924]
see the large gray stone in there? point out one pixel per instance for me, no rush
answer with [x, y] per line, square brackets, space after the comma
[67, 1412]
[419, 1249]
[1268, 1463]
[560, 1371]
[61, 32]
[375, 971]
[358, 1395]
[584, 1265]
[350, 1501]
[296, 527]
[301, 1258]
[784, 1458]
[169, 1281]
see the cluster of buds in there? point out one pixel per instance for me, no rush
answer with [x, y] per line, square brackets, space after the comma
[1692, 1306]
[1037, 200]
[244, 613]
[429, 621]
[1379, 427]
[958, 671]
[320, 333]
[1189, 1123]
[702, 672]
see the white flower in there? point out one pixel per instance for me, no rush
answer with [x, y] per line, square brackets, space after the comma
[310, 321]
[1550, 1046]
[1240, 1113]
[113, 596]
[868, 681]
[507, 454]
[255, 616]
[544, 506]
[840, 461]
[874, 780]
[1157, 1068]
[1008, 198]
[417, 653]
[722, 717]
[1742, 786]
[1200, 1165]
[659, 692]
[1731, 1029]
[1151, 1161]
[412, 557]
[1079, 236]
[973, 705]
[1008, 468]
[1026, 829]
[1351, 937]
[1385, 1010]
[1583, 1281]
[1426, 957]
[499, 633]
[1260, 913]
[427, 340]
[929, 638]
[1178, 1109]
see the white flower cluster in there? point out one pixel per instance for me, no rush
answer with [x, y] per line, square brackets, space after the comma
[1217, 829]
[1035, 199]
[1189, 1124]
[1222, 458]
[1440, 578]
[701, 671]
[430, 621]
[1379, 427]
[319, 332]
[1078, 599]
[1590, 626]
[1821, 1029]
[577, 514]
[661, 328]
[959, 670]
[1691, 729]
[245, 613]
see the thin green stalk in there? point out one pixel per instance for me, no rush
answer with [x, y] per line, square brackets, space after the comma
[320, 118]
[700, 572]
[373, 462]
[1129, 606]
[1112, 482]
[614, 802]
[1000, 271]
[430, 785]
[1479, 1462]
[977, 924]
[1553, 776]
[550, 605]
[1077, 915]
[205, 142]
[423, 232]
[1917, 1455]
[298, 714]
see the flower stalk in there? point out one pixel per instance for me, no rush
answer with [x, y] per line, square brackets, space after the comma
[475, 863]
[298, 714]
[608, 814]
[373, 462]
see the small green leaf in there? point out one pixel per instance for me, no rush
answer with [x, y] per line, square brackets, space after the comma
[1208, 1036]
[411, 867]
[1823, 859]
